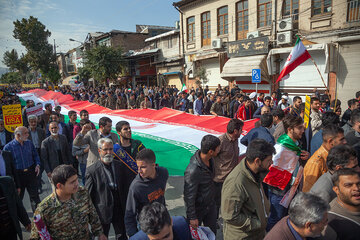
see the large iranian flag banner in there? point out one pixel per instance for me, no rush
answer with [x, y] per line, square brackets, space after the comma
[298, 55]
[173, 135]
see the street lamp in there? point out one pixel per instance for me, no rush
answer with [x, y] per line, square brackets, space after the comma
[73, 40]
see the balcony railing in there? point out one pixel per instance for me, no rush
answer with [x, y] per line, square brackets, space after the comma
[353, 11]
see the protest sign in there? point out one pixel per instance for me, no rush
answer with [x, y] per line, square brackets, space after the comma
[37, 110]
[12, 117]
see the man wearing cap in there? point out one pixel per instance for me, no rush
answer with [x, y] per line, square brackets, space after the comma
[284, 102]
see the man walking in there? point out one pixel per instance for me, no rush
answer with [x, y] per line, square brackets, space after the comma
[198, 105]
[11, 211]
[308, 216]
[244, 206]
[88, 136]
[84, 114]
[55, 150]
[199, 187]
[316, 165]
[148, 186]
[286, 165]
[27, 164]
[68, 212]
[228, 156]
[131, 147]
[5, 136]
[104, 183]
[344, 214]
[315, 115]
[36, 136]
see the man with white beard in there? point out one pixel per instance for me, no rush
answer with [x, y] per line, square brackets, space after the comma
[55, 150]
[104, 181]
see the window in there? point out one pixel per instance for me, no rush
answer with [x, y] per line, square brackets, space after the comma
[205, 29]
[169, 42]
[191, 29]
[353, 11]
[264, 13]
[291, 9]
[222, 20]
[242, 19]
[321, 7]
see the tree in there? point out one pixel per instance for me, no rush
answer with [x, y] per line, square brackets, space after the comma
[11, 78]
[52, 74]
[13, 62]
[84, 73]
[10, 59]
[33, 35]
[104, 63]
[202, 75]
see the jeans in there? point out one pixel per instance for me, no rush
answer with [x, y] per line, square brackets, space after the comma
[277, 212]
[83, 171]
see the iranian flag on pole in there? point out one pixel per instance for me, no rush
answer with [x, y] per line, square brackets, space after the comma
[298, 55]
[184, 88]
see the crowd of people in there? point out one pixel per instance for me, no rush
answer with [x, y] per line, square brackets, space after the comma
[295, 181]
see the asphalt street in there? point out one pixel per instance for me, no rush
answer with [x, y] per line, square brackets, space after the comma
[173, 196]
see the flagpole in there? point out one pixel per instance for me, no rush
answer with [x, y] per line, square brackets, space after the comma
[319, 72]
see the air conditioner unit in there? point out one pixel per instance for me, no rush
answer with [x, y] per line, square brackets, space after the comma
[284, 38]
[251, 35]
[216, 43]
[285, 24]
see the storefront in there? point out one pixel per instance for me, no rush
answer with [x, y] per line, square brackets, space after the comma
[246, 55]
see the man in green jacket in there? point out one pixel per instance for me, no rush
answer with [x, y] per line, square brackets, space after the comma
[244, 206]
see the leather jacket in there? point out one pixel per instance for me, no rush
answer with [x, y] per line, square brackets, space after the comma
[199, 188]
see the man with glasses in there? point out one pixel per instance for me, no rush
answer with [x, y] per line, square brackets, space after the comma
[103, 181]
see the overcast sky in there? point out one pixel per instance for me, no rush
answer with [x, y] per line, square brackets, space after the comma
[75, 18]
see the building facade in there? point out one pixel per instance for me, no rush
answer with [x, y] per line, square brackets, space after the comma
[230, 37]
[169, 61]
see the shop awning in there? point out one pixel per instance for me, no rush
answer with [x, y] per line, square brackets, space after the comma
[242, 66]
[171, 73]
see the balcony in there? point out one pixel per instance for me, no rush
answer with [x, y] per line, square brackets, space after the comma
[353, 13]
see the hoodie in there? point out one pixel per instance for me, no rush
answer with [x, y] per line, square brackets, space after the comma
[144, 191]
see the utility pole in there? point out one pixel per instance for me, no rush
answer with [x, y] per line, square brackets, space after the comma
[54, 48]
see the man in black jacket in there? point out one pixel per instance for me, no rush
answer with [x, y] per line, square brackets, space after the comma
[36, 136]
[7, 168]
[11, 211]
[104, 183]
[5, 136]
[55, 150]
[147, 187]
[199, 188]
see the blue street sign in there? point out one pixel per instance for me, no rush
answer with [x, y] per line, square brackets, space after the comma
[256, 76]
